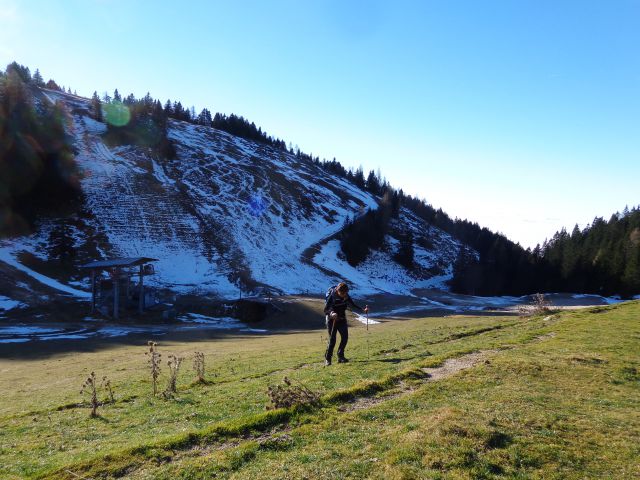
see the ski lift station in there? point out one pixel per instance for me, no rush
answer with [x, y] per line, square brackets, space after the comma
[113, 288]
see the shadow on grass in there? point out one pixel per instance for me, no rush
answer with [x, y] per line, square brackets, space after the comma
[293, 315]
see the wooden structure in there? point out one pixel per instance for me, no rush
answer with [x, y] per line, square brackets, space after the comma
[120, 271]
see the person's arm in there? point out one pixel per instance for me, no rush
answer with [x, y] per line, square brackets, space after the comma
[353, 305]
[328, 306]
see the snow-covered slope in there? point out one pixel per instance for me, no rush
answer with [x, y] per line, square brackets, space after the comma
[227, 211]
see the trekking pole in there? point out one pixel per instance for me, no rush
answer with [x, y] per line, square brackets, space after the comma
[367, 307]
[334, 325]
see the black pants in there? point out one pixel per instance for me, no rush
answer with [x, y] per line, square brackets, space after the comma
[340, 326]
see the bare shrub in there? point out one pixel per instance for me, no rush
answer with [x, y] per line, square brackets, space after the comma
[287, 395]
[89, 386]
[174, 368]
[198, 367]
[154, 364]
[539, 305]
[106, 384]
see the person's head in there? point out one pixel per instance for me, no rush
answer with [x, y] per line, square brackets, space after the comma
[342, 289]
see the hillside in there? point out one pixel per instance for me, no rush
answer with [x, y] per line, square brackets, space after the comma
[226, 208]
[461, 397]
[224, 213]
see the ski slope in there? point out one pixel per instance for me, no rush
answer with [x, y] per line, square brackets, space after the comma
[227, 212]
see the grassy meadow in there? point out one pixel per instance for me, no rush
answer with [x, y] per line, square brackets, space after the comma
[555, 396]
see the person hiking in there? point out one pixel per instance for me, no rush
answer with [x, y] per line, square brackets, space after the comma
[337, 301]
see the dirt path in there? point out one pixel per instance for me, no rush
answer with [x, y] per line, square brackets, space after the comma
[279, 434]
[454, 365]
[449, 368]
[311, 251]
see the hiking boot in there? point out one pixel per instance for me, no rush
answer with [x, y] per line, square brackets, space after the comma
[343, 360]
[327, 363]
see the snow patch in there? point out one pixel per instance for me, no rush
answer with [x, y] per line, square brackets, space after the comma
[6, 255]
[7, 303]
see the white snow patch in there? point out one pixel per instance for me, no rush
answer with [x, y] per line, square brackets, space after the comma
[7, 303]
[363, 319]
[220, 322]
[377, 274]
[7, 257]
[94, 127]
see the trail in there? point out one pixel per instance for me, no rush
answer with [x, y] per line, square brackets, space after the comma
[278, 434]
[449, 368]
[310, 252]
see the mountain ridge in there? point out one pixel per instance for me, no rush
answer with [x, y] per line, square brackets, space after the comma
[227, 213]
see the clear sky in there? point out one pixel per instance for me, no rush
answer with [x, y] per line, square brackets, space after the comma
[522, 115]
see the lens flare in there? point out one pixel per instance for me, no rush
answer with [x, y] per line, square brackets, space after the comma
[256, 205]
[116, 114]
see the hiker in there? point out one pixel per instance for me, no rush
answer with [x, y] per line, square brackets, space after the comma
[337, 301]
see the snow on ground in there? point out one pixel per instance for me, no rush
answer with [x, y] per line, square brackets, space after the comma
[227, 207]
[221, 323]
[138, 208]
[377, 274]
[22, 333]
[7, 303]
[269, 204]
[364, 319]
[7, 255]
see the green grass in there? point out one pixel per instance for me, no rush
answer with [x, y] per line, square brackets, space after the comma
[565, 406]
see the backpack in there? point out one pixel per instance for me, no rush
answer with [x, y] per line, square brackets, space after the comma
[329, 293]
[327, 298]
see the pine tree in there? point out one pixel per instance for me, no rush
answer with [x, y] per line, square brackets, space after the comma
[116, 96]
[20, 70]
[373, 183]
[405, 254]
[205, 117]
[178, 111]
[96, 107]
[38, 81]
[168, 108]
[358, 177]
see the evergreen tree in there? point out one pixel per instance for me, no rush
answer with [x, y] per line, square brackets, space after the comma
[96, 107]
[168, 109]
[39, 173]
[19, 70]
[205, 117]
[38, 81]
[358, 178]
[405, 254]
[373, 183]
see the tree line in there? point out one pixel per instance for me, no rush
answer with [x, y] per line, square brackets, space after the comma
[149, 117]
[37, 166]
[603, 258]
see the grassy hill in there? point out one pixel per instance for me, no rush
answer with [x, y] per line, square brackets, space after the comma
[456, 397]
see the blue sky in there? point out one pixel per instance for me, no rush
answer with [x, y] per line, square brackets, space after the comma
[520, 115]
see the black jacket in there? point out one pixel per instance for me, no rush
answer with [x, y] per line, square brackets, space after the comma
[335, 303]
